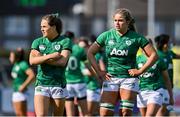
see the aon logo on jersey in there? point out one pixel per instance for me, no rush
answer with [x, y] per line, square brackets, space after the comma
[119, 52]
[147, 75]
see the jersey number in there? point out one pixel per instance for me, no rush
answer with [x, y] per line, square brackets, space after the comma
[72, 63]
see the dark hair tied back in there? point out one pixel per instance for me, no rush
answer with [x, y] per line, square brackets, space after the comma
[133, 21]
[54, 20]
[161, 40]
[19, 54]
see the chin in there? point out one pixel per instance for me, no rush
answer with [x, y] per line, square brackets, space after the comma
[118, 29]
[44, 36]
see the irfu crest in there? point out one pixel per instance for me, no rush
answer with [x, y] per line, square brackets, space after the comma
[57, 47]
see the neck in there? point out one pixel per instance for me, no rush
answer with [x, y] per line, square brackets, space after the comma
[122, 32]
[164, 49]
[53, 36]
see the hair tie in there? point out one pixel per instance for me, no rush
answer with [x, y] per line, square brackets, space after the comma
[56, 15]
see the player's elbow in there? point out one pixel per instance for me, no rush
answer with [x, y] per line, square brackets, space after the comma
[32, 62]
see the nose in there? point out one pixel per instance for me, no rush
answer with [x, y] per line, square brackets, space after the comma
[116, 22]
[42, 30]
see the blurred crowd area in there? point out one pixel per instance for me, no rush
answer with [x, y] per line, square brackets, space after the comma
[20, 25]
[20, 21]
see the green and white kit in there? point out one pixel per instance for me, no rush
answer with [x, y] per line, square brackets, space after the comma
[120, 51]
[49, 75]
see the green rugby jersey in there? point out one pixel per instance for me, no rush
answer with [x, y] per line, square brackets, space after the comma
[18, 74]
[73, 71]
[120, 51]
[168, 60]
[49, 75]
[92, 83]
[152, 78]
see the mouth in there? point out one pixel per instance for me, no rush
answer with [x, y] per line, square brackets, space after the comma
[44, 35]
[43, 32]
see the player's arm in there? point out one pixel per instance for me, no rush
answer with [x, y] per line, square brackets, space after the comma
[151, 59]
[102, 65]
[168, 85]
[36, 57]
[177, 56]
[61, 60]
[30, 78]
[95, 48]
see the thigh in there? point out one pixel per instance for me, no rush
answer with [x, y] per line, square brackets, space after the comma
[83, 106]
[41, 104]
[20, 108]
[110, 91]
[70, 107]
[19, 103]
[93, 108]
[128, 95]
[109, 97]
[58, 106]
[162, 111]
[143, 111]
[152, 109]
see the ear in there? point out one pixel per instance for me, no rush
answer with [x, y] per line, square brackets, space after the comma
[54, 28]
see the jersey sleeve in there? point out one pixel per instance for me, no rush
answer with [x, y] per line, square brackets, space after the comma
[162, 65]
[101, 39]
[35, 44]
[24, 66]
[67, 44]
[143, 42]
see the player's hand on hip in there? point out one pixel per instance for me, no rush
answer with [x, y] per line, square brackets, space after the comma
[134, 72]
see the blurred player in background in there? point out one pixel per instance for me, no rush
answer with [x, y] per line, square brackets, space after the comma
[164, 51]
[76, 85]
[93, 82]
[149, 98]
[22, 76]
